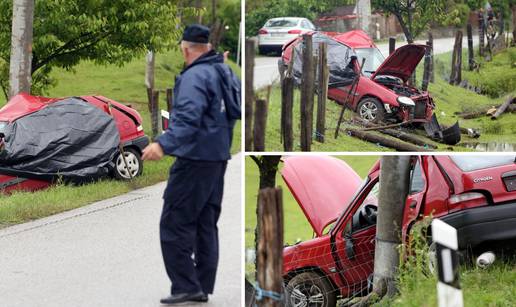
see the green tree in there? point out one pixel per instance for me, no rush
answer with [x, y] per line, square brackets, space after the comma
[414, 16]
[104, 31]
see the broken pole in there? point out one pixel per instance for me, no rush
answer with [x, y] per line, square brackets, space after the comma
[323, 92]
[270, 248]
[431, 44]
[307, 94]
[471, 60]
[249, 93]
[392, 44]
[384, 141]
[260, 122]
[503, 107]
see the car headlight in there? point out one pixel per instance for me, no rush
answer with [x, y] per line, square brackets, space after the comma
[406, 101]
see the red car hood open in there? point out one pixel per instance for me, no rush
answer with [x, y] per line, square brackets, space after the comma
[402, 62]
[323, 187]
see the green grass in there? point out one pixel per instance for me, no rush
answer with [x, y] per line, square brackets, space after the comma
[494, 286]
[124, 84]
[449, 100]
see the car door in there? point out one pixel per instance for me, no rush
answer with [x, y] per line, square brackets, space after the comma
[416, 194]
[356, 242]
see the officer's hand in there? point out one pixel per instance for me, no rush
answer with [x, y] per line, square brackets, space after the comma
[152, 152]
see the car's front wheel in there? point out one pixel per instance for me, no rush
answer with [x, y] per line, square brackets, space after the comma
[134, 164]
[311, 290]
[371, 110]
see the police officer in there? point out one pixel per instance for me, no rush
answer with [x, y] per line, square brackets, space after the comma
[199, 136]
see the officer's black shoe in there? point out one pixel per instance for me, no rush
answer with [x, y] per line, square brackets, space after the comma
[184, 297]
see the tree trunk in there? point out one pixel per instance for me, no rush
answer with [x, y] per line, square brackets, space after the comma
[249, 94]
[149, 70]
[394, 184]
[21, 47]
[406, 31]
[267, 165]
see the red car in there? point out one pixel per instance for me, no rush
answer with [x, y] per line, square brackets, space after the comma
[382, 92]
[128, 122]
[475, 194]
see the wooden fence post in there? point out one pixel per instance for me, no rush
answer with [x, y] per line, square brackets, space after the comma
[153, 110]
[471, 60]
[455, 76]
[170, 99]
[307, 94]
[392, 44]
[320, 126]
[427, 67]
[287, 103]
[260, 123]
[249, 93]
[431, 44]
[481, 33]
[270, 246]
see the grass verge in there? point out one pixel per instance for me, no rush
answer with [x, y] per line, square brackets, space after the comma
[124, 84]
[449, 101]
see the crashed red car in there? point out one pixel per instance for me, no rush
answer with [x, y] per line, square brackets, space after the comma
[474, 194]
[127, 127]
[382, 93]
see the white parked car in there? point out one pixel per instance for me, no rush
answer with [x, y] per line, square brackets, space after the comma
[278, 31]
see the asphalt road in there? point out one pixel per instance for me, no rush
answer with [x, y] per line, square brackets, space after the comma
[266, 68]
[108, 253]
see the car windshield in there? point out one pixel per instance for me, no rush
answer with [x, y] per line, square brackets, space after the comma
[373, 58]
[473, 163]
[2, 126]
[281, 23]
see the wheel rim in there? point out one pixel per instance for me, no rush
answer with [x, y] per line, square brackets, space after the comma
[306, 295]
[369, 111]
[132, 163]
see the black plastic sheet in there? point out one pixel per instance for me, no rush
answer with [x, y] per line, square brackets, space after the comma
[340, 60]
[69, 139]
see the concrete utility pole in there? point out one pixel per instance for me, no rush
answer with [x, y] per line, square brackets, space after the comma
[394, 185]
[21, 47]
[363, 9]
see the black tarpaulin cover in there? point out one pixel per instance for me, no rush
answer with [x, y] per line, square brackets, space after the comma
[69, 139]
[339, 58]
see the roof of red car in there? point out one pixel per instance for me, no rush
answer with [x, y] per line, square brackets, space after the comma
[354, 39]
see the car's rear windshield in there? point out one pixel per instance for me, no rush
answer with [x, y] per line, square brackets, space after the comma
[473, 163]
[281, 23]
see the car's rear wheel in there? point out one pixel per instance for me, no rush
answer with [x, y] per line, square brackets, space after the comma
[371, 110]
[134, 163]
[311, 290]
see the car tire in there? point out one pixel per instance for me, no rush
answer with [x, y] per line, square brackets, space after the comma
[371, 109]
[310, 289]
[134, 160]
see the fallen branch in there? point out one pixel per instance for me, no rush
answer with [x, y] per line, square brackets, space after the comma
[511, 108]
[503, 107]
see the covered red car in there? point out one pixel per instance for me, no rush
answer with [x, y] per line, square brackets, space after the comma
[474, 194]
[74, 138]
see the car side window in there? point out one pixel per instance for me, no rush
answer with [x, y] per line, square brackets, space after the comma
[417, 182]
[358, 221]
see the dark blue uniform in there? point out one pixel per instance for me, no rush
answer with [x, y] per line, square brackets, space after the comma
[199, 135]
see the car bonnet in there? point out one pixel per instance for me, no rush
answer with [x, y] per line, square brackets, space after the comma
[402, 62]
[323, 187]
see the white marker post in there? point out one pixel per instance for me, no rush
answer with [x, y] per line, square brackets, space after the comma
[448, 287]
